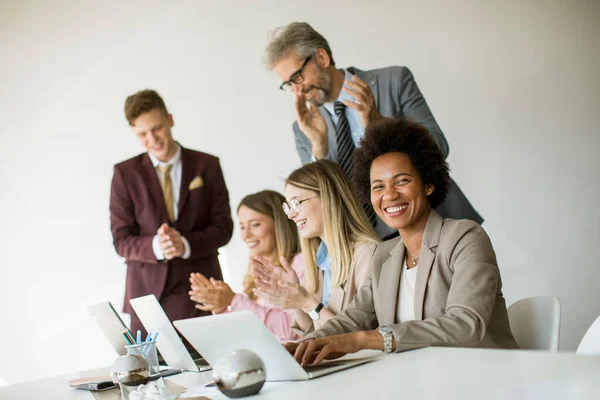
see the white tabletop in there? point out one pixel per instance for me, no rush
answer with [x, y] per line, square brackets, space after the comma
[445, 373]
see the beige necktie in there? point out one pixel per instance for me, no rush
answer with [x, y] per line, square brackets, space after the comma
[167, 189]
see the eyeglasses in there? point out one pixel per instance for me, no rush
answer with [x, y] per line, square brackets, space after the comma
[296, 77]
[294, 205]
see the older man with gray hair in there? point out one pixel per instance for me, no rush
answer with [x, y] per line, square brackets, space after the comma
[334, 105]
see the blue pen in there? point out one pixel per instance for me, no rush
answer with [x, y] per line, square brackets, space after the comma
[155, 336]
[139, 337]
[148, 337]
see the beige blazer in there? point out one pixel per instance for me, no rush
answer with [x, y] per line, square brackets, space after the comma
[458, 296]
[342, 296]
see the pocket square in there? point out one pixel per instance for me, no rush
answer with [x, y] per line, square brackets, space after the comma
[196, 183]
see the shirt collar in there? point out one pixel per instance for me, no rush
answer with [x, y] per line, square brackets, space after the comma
[322, 256]
[174, 160]
[342, 96]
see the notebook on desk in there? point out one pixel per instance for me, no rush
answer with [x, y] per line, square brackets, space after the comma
[168, 343]
[219, 335]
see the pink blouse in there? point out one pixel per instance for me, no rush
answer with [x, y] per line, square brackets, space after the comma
[277, 320]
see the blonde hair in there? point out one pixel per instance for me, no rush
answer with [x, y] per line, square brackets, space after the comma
[344, 220]
[268, 203]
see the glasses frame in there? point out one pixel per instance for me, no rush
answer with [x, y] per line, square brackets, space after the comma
[296, 77]
[296, 205]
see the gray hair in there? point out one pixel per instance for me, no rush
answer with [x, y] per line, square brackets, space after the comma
[297, 35]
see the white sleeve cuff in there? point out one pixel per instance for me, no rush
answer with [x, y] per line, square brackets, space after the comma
[187, 251]
[156, 248]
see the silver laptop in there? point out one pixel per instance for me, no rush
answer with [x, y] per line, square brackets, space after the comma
[111, 325]
[168, 343]
[219, 335]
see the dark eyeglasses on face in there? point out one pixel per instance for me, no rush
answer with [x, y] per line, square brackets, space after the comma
[296, 77]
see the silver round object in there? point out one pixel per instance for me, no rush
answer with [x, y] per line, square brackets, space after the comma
[241, 373]
[130, 370]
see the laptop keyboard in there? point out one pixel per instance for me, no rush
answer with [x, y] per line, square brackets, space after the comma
[326, 364]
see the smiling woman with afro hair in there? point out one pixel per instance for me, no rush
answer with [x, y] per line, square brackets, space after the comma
[438, 284]
[402, 136]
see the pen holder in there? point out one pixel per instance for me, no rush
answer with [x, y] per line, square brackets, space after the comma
[148, 351]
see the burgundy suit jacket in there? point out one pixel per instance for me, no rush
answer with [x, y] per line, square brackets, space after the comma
[137, 210]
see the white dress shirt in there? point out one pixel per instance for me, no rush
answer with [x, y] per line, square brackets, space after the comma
[406, 300]
[176, 167]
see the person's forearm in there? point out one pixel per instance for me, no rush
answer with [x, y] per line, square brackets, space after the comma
[372, 340]
[135, 248]
[302, 321]
[319, 150]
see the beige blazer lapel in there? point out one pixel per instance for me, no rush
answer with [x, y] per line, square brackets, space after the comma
[389, 283]
[431, 237]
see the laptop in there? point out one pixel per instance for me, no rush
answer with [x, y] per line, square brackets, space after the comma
[111, 325]
[219, 335]
[168, 343]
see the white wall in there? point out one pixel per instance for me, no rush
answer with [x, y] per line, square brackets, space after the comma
[513, 85]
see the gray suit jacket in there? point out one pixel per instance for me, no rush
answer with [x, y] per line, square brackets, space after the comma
[458, 292]
[396, 95]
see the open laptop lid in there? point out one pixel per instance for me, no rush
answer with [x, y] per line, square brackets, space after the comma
[170, 346]
[111, 325]
[218, 335]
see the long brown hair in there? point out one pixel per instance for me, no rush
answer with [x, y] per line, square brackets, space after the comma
[344, 220]
[268, 203]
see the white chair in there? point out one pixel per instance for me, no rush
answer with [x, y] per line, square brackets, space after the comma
[535, 322]
[590, 344]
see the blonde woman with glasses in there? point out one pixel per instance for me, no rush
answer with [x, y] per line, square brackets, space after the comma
[337, 243]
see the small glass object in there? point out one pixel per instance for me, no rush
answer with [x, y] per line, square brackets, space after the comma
[147, 350]
[241, 373]
[130, 369]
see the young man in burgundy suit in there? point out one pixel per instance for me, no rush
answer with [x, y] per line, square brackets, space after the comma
[169, 212]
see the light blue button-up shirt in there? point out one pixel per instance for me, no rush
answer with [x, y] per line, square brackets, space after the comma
[356, 126]
[324, 263]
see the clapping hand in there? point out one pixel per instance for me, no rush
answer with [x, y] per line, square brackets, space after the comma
[211, 294]
[268, 273]
[313, 125]
[170, 242]
[365, 104]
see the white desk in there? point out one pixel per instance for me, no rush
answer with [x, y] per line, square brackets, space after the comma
[431, 373]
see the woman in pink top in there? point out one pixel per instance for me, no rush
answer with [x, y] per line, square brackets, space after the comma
[268, 233]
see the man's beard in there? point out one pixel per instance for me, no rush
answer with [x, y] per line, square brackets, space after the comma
[323, 89]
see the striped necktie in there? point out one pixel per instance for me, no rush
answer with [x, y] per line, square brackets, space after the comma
[345, 147]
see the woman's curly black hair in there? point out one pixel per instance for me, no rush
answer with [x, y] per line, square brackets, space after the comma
[403, 136]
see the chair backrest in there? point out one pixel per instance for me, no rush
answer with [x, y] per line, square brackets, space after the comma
[590, 344]
[535, 322]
